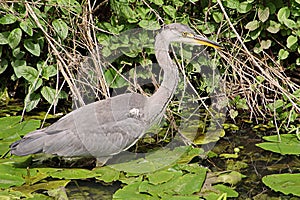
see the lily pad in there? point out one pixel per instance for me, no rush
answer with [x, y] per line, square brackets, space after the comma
[285, 144]
[153, 161]
[285, 183]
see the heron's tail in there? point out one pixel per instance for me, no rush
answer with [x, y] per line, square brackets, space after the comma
[30, 144]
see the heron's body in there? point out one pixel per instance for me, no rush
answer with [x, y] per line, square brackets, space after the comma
[107, 127]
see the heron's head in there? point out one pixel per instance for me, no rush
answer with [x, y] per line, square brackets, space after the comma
[181, 33]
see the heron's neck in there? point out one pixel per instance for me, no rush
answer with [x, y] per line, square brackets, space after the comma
[160, 99]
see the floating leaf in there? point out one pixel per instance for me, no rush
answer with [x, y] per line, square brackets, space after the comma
[72, 174]
[33, 48]
[8, 19]
[8, 180]
[285, 183]
[232, 178]
[50, 185]
[14, 38]
[286, 144]
[106, 174]
[160, 177]
[61, 28]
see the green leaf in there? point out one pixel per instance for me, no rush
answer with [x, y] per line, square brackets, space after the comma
[113, 79]
[149, 24]
[35, 85]
[33, 48]
[265, 44]
[14, 38]
[274, 27]
[17, 53]
[244, 7]
[107, 174]
[157, 2]
[11, 126]
[61, 28]
[8, 19]
[253, 25]
[285, 144]
[263, 14]
[131, 192]
[152, 162]
[4, 37]
[277, 104]
[48, 93]
[290, 23]
[31, 101]
[218, 16]
[72, 174]
[26, 27]
[170, 10]
[71, 5]
[3, 65]
[30, 74]
[49, 71]
[233, 4]
[291, 40]
[285, 183]
[8, 180]
[283, 54]
[283, 14]
[49, 185]
[160, 177]
[18, 66]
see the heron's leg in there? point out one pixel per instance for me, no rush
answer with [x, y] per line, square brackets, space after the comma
[102, 160]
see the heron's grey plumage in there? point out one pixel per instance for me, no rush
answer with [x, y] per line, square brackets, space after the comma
[107, 127]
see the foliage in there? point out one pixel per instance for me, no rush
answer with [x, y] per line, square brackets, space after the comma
[283, 144]
[42, 45]
[11, 128]
[285, 183]
[22, 42]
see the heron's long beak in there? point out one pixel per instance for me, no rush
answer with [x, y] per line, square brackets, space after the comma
[206, 42]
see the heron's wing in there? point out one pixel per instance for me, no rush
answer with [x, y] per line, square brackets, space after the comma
[99, 129]
[63, 143]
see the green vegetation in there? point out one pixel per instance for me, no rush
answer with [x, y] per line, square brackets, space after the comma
[43, 58]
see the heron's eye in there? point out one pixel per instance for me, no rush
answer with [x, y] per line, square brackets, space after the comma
[184, 34]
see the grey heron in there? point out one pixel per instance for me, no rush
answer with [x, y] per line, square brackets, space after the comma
[108, 127]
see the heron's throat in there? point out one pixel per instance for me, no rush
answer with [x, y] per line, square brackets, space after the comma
[160, 99]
